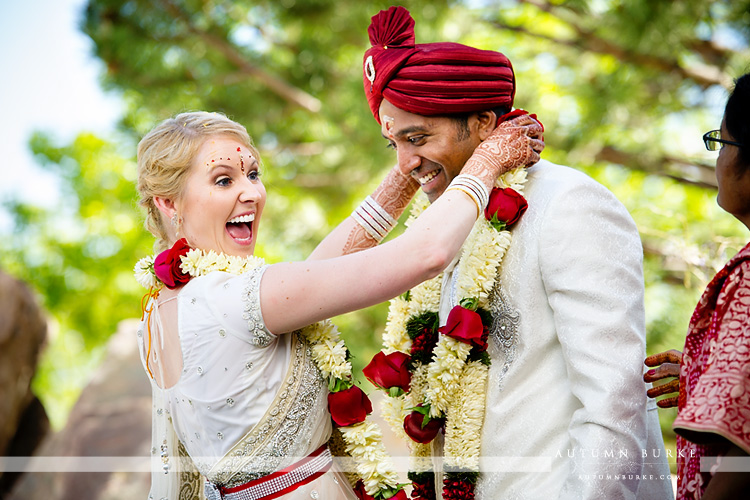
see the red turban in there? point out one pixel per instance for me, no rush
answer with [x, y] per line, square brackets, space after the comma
[431, 78]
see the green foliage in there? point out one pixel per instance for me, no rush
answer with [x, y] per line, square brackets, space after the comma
[622, 98]
[78, 256]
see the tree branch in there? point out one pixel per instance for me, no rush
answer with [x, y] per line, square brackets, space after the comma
[672, 168]
[275, 84]
[675, 269]
[704, 75]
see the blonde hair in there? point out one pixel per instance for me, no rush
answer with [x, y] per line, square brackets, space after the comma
[166, 154]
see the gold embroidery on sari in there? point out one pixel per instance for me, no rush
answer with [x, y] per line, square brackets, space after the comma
[265, 447]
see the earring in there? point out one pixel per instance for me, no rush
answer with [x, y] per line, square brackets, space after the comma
[176, 221]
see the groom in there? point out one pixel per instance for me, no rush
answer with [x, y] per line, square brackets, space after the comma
[566, 411]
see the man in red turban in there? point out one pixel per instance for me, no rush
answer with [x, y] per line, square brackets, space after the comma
[565, 404]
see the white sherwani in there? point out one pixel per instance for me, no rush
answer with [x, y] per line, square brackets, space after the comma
[566, 405]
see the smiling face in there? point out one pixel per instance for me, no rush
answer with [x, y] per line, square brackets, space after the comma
[431, 149]
[223, 198]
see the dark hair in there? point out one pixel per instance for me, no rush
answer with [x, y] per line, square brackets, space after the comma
[737, 116]
[462, 121]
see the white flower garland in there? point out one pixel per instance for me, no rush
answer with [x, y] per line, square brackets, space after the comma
[329, 352]
[451, 386]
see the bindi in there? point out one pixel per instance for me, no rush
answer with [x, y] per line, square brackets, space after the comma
[242, 160]
[390, 123]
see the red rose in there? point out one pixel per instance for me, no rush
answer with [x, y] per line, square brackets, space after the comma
[349, 407]
[419, 433]
[359, 490]
[392, 370]
[465, 326]
[506, 205]
[167, 265]
[401, 495]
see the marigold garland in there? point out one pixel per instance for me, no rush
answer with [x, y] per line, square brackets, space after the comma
[449, 376]
[363, 440]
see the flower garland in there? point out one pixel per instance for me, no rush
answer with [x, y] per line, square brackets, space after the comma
[348, 404]
[446, 369]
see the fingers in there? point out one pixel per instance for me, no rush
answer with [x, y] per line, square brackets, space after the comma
[671, 356]
[666, 370]
[667, 403]
[537, 145]
[660, 390]
[518, 121]
[536, 129]
[529, 126]
[531, 158]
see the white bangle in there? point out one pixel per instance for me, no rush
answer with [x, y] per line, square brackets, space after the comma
[374, 219]
[474, 188]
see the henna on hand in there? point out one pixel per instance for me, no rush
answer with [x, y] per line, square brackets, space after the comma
[514, 143]
[668, 365]
[358, 240]
[395, 192]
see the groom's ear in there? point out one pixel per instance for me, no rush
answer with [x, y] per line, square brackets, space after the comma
[486, 121]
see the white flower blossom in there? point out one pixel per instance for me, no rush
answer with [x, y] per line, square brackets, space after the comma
[515, 179]
[464, 419]
[364, 443]
[144, 272]
[190, 262]
[425, 296]
[395, 337]
[329, 355]
[394, 411]
[236, 265]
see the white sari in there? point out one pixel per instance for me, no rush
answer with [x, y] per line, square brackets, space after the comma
[247, 402]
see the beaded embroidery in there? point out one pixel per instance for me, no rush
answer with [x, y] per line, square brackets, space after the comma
[251, 298]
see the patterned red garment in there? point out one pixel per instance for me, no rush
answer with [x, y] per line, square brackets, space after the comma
[715, 376]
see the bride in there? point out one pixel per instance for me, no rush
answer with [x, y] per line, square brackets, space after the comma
[240, 380]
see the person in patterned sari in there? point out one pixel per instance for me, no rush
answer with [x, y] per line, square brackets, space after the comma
[713, 420]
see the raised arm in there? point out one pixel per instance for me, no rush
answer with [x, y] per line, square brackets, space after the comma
[393, 195]
[296, 294]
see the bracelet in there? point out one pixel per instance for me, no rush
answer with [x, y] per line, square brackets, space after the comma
[374, 219]
[473, 188]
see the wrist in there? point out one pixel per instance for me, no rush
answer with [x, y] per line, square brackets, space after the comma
[374, 219]
[395, 192]
[473, 187]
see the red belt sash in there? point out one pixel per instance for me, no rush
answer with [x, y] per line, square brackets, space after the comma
[276, 484]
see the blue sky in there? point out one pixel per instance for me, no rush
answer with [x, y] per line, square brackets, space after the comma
[50, 83]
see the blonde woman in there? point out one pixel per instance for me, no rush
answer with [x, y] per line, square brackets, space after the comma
[236, 387]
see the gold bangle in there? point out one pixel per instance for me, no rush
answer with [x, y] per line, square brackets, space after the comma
[468, 193]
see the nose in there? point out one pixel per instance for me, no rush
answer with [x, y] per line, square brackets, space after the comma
[408, 161]
[251, 191]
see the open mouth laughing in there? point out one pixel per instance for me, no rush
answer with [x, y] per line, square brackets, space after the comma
[240, 228]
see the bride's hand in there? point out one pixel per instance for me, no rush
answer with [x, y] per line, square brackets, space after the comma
[514, 143]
